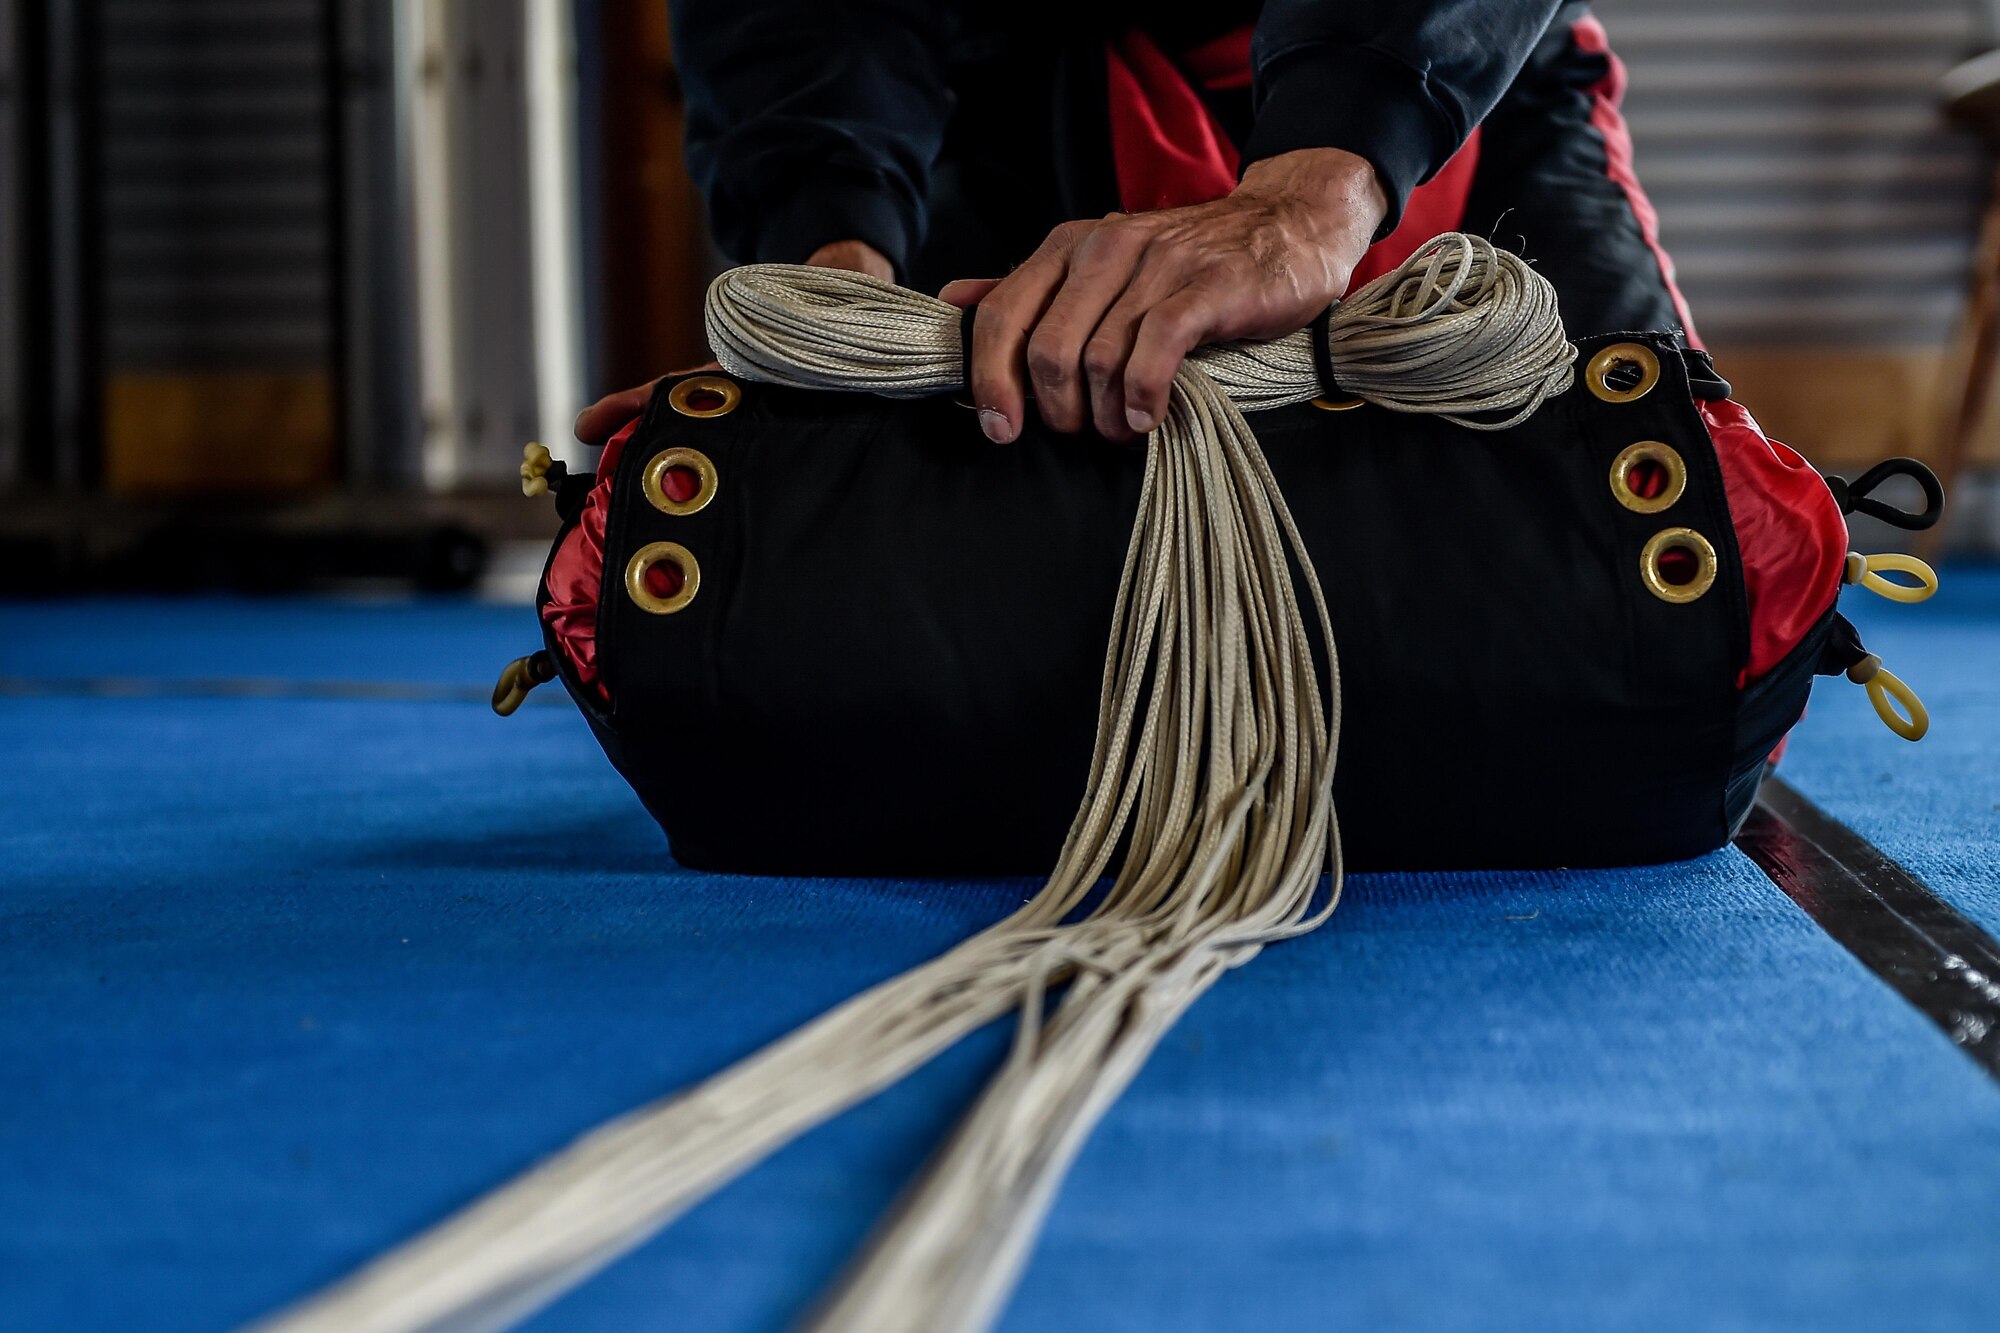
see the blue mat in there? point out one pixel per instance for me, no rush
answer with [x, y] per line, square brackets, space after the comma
[286, 980]
[1934, 806]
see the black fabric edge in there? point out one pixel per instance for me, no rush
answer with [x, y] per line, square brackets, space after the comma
[1766, 710]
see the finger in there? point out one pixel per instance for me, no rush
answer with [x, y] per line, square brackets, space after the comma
[1000, 335]
[605, 417]
[1170, 330]
[1098, 275]
[1109, 350]
[967, 291]
[1104, 359]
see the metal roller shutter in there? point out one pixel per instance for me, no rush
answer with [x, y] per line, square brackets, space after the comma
[218, 317]
[1807, 187]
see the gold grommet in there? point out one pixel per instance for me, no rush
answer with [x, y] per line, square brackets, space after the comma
[1596, 376]
[1678, 539]
[655, 481]
[1339, 404]
[655, 553]
[1648, 451]
[705, 396]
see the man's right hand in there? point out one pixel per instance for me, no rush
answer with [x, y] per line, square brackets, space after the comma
[608, 415]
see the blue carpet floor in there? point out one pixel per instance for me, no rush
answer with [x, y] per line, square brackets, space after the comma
[282, 980]
[1934, 806]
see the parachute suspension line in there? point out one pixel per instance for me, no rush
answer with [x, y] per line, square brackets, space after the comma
[1215, 749]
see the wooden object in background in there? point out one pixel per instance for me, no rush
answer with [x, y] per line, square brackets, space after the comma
[1841, 407]
[218, 432]
[1970, 95]
[1966, 384]
[218, 318]
[653, 251]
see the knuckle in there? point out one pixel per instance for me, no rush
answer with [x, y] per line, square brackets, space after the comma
[1067, 237]
[1120, 236]
[1178, 323]
[996, 309]
[1044, 365]
[1050, 356]
[1092, 252]
[1101, 358]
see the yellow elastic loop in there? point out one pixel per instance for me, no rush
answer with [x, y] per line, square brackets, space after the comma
[1881, 687]
[1870, 577]
[511, 691]
[517, 678]
[535, 464]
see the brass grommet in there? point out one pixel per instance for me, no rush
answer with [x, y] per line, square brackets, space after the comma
[654, 553]
[1678, 539]
[655, 481]
[1339, 404]
[705, 396]
[1596, 376]
[1648, 451]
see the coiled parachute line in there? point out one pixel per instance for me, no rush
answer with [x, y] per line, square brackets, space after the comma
[1463, 330]
[1215, 752]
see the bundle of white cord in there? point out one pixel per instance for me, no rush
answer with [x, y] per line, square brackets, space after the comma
[1215, 749]
[1463, 330]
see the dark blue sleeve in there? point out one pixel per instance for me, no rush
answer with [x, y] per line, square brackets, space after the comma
[1399, 82]
[811, 121]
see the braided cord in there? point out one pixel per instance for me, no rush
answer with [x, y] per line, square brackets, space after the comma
[1216, 740]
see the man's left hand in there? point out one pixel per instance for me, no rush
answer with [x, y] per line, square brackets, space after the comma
[608, 415]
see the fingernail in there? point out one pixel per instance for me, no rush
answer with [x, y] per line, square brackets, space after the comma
[1138, 421]
[998, 429]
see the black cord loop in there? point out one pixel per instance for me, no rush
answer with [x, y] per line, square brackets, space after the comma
[1317, 335]
[1853, 496]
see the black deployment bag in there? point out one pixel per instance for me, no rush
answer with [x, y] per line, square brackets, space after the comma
[892, 657]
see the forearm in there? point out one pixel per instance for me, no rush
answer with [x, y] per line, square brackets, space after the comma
[809, 122]
[1401, 83]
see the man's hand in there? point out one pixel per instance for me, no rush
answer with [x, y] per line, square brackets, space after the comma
[1099, 319]
[608, 415]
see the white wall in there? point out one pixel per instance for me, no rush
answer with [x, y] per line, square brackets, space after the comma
[488, 134]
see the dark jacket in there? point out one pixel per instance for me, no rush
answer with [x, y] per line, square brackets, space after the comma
[811, 121]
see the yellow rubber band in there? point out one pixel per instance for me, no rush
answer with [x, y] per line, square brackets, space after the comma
[511, 690]
[535, 464]
[1884, 686]
[1871, 577]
